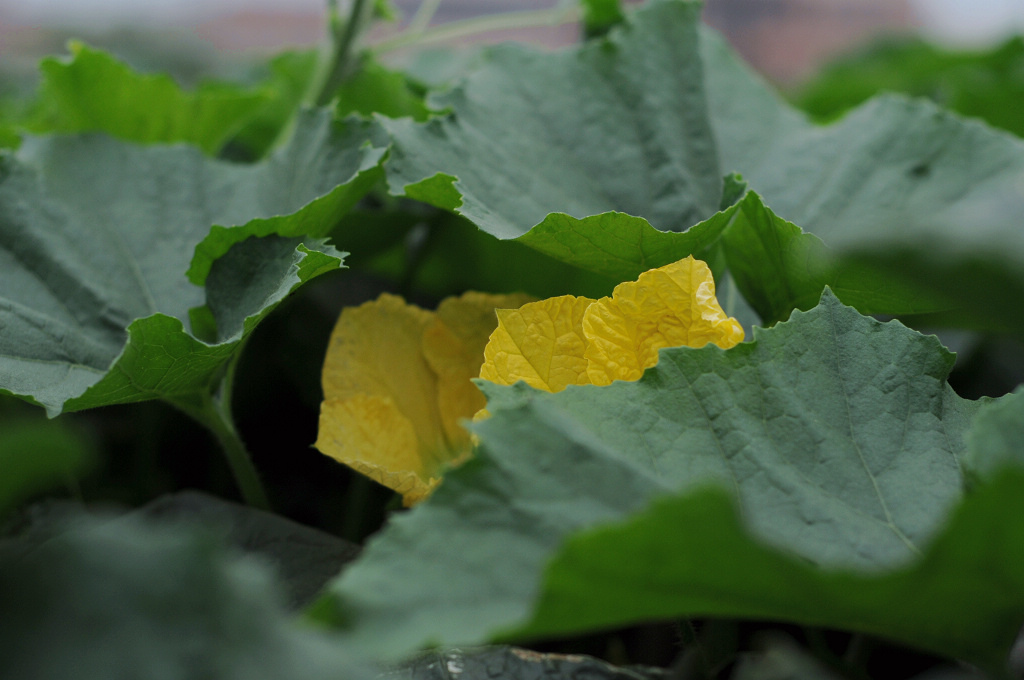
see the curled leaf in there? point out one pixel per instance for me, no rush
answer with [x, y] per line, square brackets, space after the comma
[397, 384]
[567, 340]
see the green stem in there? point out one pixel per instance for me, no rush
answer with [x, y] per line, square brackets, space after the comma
[214, 412]
[223, 428]
[343, 40]
[453, 30]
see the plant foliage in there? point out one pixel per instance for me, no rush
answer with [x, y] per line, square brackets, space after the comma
[824, 484]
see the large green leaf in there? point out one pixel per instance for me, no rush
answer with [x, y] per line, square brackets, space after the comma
[837, 434]
[923, 204]
[94, 92]
[545, 148]
[582, 131]
[101, 598]
[691, 556]
[96, 237]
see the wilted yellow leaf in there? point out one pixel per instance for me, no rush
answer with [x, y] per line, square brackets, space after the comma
[541, 343]
[396, 384]
[577, 341]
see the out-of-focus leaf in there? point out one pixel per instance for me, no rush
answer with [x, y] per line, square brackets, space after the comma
[837, 434]
[94, 92]
[37, 455]
[101, 598]
[997, 439]
[96, 237]
[303, 558]
[782, 660]
[983, 83]
[286, 81]
[922, 202]
[397, 384]
[600, 15]
[374, 88]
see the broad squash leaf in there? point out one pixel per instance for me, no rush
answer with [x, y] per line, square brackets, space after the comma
[913, 202]
[550, 149]
[397, 383]
[96, 237]
[691, 556]
[582, 131]
[837, 436]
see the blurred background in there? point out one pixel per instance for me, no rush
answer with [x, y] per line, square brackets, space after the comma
[787, 40]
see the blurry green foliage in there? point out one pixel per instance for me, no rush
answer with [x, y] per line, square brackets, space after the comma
[987, 84]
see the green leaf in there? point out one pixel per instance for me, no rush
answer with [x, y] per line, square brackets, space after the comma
[36, 456]
[374, 88]
[519, 145]
[303, 558]
[600, 15]
[779, 267]
[94, 92]
[286, 79]
[923, 202]
[997, 439]
[140, 599]
[96, 237]
[837, 434]
[645, 121]
[692, 556]
[984, 84]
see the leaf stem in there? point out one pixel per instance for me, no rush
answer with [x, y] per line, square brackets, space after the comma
[553, 16]
[214, 412]
[343, 40]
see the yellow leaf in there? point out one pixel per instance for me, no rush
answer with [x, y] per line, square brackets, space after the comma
[454, 348]
[568, 340]
[370, 435]
[396, 382]
[671, 306]
[541, 343]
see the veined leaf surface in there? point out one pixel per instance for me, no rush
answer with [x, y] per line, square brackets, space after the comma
[658, 110]
[96, 237]
[837, 434]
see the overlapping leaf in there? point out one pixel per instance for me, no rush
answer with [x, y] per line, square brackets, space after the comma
[99, 596]
[690, 556]
[397, 384]
[96, 237]
[94, 92]
[837, 435]
[545, 148]
[581, 132]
